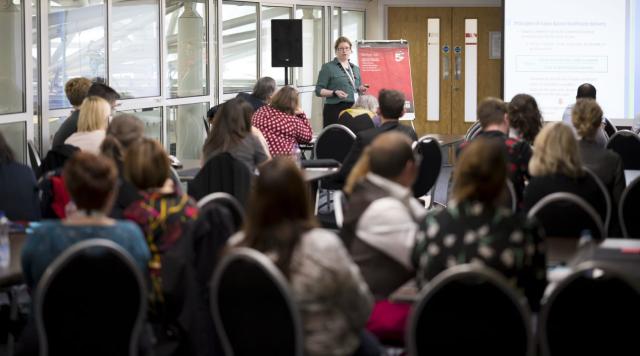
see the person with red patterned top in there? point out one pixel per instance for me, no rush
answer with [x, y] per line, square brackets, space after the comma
[283, 123]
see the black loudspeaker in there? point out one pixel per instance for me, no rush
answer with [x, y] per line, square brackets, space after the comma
[286, 43]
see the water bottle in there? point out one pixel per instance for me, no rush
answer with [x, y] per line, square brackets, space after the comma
[5, 248]
[297, 155]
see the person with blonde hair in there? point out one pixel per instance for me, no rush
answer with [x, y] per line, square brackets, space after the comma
[586, 117]
[556, 166]
[283, 123]
[92, 125]
[361, 115]
[474, 228]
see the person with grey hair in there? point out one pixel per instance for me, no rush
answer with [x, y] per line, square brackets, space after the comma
[361, 115]
[261, 94]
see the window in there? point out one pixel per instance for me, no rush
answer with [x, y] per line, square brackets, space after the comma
[271, 13]
[312, 107]
[312, 43]
[76, 45]
[239, 46]
[186, 41]
[15, 133]
[152, 119]
[135, 48]
[353, 29]
[335, 25]
[12, 85]
[186, 130]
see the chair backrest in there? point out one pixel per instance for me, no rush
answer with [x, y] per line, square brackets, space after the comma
[253, 309]
[627, 145]
[509, 199]
[34, 157]
[565, 214]
[628, 210]
[469, 310]
[222, 173]
[593, 311]
[609, 128]
[229, 201]
[334, 141]
[473, 131]
[91, 300]
[356, 124]
[431, 163]
[604, 198]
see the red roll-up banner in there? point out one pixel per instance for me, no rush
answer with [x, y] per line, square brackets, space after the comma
[386, 65]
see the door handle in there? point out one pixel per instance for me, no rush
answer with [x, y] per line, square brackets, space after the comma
[445, 66]
[458, 66]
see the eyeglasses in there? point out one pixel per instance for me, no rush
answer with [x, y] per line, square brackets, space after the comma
[343, 49]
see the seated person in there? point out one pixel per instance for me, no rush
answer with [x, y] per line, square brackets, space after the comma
[556, 166]
[262, 92]
[231, 132]
[333, 299]
[91, 181]
[18, 192]
[163, 213]
[92, 125]
[525, 119]
[475, 229]
[361, 115]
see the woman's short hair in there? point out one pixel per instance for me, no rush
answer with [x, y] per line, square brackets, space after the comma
[368, 102]
[586, 117]
[341, 39]
[94, 114]
[146, 164]
[264, 88]
[6, 153]
[525, 116]
[123, 131]
[91, 180]
[481, 171]
[286, 100]
[555, 151]
[76, 89]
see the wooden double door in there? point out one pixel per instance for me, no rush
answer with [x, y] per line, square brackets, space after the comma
[411, 23]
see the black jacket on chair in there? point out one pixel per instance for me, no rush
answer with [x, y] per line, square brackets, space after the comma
[222, 173]
[56, 158]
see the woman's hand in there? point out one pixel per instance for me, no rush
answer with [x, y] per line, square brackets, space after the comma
[341, 94]
[363, 89]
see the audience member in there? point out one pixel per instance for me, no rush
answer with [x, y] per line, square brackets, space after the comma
[391, 109]
[382, 218]
[92, 125]
[162, 213]
[79, 93]
[92, 183]
[361, 115]
[18, 192]
[231, 132]
[475, 229]
[525, 120]
[586, 91]
[556, 167]
[124, 131]
[282, 122]
[262, 92]
[606, 164]
[333, 300]
[494, 119]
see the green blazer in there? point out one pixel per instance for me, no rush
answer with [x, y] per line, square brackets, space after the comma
[333, 77]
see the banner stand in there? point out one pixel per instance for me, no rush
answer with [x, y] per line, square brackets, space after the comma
[386, 64]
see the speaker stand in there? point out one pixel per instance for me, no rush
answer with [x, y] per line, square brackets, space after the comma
[286, 75]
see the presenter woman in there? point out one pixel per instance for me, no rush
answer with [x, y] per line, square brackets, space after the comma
[339, 82]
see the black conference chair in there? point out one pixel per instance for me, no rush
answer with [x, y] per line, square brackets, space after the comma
[593, 311]
[228, 201]
[222, 173]
[356, 124]
[430, 155]
[469, 310]
[627, 145]
[91, 300]
[34, 157]
[252, 306]
[334, 142]
[567, 215]
[628, 209]
[609, 128]
[604, 200]
[473, 131]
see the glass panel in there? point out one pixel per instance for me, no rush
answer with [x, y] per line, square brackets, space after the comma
[35, 40]
[152, 119]
[335, 25]
[135, 48]
[186, 41]
[312, 107]
[76, 45]
[353, 29]
[12, 86]
[186, 130]
[240, 46]
[15, 134]
[312, 44]
[271, 13]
